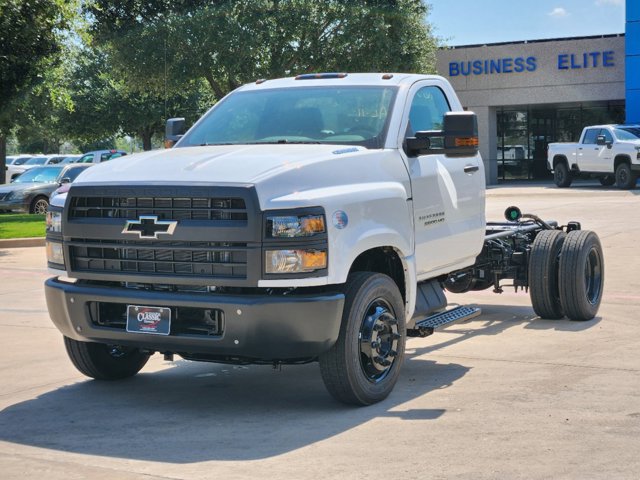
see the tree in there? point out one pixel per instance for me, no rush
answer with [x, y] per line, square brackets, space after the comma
[104, 105]
[30, 41]
[163, 44]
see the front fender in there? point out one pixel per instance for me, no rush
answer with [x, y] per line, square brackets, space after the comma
[378, 215]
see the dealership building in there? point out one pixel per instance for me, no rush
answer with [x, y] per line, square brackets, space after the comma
[531, 93]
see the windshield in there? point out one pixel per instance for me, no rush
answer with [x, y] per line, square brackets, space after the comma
[628, 133]
[336, 115]
[39, 175]
[20, 161]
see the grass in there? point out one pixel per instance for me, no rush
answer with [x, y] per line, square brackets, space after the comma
[21, 225]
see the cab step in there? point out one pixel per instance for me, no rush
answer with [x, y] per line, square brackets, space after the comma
[441, 320]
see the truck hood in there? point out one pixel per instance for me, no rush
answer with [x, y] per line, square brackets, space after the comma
[247, 164]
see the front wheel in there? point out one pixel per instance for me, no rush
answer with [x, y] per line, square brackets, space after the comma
[40, 205]
[105, 362]
[561, 175]
[625, 178]
[364, 364]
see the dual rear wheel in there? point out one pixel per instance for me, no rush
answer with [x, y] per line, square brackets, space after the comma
[566, 274]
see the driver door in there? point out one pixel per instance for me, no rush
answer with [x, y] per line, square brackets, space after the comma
[447, 192]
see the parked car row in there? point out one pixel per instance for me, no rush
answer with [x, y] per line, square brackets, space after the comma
[34, 180]
[30, 192]
[16, 165]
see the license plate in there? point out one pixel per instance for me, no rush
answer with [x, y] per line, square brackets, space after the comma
[153, 320]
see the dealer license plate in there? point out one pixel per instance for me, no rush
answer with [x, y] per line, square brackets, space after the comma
[153, 320]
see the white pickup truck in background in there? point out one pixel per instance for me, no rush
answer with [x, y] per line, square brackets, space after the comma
[610, 153]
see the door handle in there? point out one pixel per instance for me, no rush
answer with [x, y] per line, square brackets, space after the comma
[471, 168]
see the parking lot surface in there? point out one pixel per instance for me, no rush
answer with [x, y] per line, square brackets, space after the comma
[504, 396]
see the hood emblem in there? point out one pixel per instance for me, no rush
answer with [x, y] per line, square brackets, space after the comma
[148, 226]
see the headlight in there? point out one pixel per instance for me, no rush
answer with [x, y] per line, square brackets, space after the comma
[54, 222]
[55, 254]
[291, 226]
[295, 261]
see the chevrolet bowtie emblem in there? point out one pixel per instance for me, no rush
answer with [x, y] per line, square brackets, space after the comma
[148, 226]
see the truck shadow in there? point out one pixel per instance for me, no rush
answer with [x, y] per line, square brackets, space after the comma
[587, 187]
[194, 412]
[496, 319]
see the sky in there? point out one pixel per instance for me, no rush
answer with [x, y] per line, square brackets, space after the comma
[470, 22]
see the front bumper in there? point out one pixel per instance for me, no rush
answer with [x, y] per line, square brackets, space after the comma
[256, 327]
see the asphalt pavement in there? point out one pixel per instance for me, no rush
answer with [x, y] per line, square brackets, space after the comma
[504, 396]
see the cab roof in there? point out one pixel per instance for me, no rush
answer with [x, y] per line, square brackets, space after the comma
[339, 79]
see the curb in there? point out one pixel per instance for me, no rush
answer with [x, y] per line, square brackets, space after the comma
[22, 242]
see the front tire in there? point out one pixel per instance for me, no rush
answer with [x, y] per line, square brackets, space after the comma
[561, 175]
[39, 205]
[625, 178]
[105, 362]
[543, 274]
[581, 275]
[364, 364]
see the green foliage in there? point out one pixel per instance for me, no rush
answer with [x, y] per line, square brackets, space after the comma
[165, 44]
[21, 225]
[30, 41]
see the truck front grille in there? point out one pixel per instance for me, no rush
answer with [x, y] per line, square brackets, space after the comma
[202, 259]
[215, 240]
[186, 208]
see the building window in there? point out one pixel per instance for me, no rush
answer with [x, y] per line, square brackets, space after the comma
[524, 133]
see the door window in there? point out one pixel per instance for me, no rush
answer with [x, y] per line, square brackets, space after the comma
[590, 136]
[607, 135]
[427, 110]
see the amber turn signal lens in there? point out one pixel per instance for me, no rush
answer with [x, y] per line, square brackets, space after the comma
[466, 141]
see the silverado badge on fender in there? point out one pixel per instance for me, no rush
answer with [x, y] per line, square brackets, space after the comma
[148, 226]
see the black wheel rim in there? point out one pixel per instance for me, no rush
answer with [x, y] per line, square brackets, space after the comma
[378, 340]
[559, 175]
[624, 177]
[593, 276]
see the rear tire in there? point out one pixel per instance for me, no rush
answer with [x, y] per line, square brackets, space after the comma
[581, 275]
[625, 178]
[105, 362]
[364, 364]
[561, 175]
[543, 274]
[607, 181]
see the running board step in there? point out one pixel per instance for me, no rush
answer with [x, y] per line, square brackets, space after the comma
[441, 320]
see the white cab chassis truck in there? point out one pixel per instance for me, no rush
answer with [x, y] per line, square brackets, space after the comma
[610, 153]
[316, 218]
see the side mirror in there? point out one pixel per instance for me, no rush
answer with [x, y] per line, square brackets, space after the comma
[459, 137]
[174, 131]
[64, 180]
